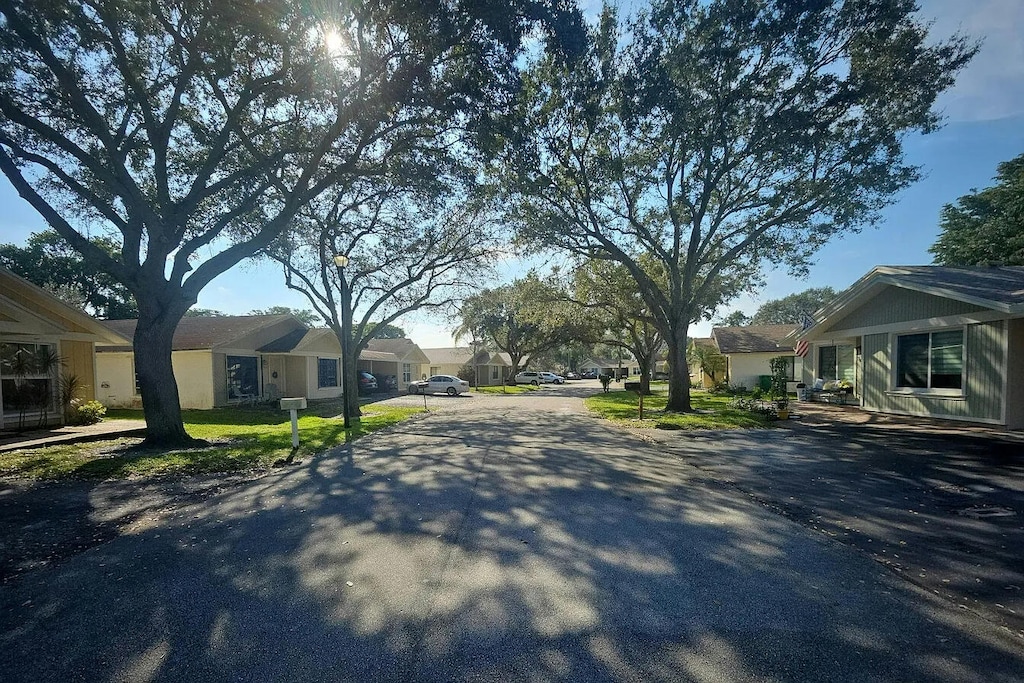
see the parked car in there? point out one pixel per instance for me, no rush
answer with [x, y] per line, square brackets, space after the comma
[589, 374]
[367, 383]
[529, 377]
[571, 375]
[452, 386]
[552, 378]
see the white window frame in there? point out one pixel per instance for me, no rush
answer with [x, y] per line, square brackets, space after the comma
[894, 340]
[406, 373]
[337, 372]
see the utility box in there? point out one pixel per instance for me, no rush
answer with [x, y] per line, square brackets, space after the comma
[293, 403]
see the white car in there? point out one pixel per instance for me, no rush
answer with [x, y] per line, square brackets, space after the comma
[529, 377]
[453, 386]
[551, 378]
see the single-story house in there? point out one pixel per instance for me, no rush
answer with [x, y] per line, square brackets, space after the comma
[932, 341]
[399, 358]
[41, 339]
[749, 349]
[698, 377]
[490, 367]
[223, 360]
[614, 368]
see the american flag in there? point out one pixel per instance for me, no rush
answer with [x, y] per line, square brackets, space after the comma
[802, 348]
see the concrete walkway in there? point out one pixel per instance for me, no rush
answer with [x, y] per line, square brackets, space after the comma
[107, 429]
[509, 539]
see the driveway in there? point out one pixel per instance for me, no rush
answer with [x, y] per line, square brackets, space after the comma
[496, 538]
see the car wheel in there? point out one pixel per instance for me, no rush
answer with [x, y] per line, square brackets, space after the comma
[535, 383]
[452, 391]
[413, 389]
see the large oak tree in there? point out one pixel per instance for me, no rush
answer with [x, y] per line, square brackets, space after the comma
[193, 131]
[715, 136]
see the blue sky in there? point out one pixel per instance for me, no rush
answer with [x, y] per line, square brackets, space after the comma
[984, 126]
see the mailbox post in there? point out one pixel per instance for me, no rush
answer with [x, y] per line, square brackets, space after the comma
[638, 388]
[294, 405]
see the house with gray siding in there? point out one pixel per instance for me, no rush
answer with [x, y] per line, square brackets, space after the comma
[933, 341]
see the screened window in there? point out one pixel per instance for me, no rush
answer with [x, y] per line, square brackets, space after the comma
[930, 360]
[242, 377]
[28, 377]
[406, 372]
[327, 372]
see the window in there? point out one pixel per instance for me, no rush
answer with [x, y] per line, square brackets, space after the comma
[930, 360]
[406, 372]
[28, 377]
[837, 362]
[827, 363]
[327, 372]
[494, 372]
[242, 381]
[434, 369]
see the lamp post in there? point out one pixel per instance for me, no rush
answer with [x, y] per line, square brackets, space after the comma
[340, 260]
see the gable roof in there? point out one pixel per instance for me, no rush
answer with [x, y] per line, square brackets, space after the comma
[704, 342]
[26, 308]
[403, 348]
[754, 338]
[999, 288]
[194, 333]
[461, 355]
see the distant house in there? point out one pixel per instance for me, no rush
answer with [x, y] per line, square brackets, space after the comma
[35, 324]
[611, 367]
[398, 358]
[927, 340]
[698, 377]
[490, 368]
[749, 349]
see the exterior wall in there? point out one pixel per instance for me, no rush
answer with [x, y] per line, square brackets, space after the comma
[984, 370]
[1015, 374]
[312, 390]
[745, 368]
[79, 360]
[115, 378]
[193, 371]
[295, 377]
[896, 305]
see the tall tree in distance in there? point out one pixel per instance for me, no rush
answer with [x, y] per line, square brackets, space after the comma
[734, 319]
[986, 227]
[793, 308]
[192, 132]
[49, 261]
[722, 136]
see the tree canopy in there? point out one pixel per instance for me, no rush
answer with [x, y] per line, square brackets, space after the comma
[716, 136]
[49, 261]
[793, 308]
[192, 132]
[308, 317]
[986, 227]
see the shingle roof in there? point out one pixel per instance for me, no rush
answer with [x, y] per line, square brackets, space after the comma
[706, 342]
[455, 355]
[199, 332]
[999, 285]
[753, 338]
[286, 343]
[405, 349]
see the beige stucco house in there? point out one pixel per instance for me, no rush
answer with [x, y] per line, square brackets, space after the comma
[35, 324]
[220, 361]
[748, 351]
[491, 368]
[927, 340]
[399, 358]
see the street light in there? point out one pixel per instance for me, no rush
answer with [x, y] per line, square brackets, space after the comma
[340, 260]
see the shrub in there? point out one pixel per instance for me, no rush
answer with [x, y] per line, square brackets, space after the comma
[755, 405]
[90, 413]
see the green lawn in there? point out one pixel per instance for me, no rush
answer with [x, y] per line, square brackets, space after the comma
[712, 412]
[241, 439]
[510, 389]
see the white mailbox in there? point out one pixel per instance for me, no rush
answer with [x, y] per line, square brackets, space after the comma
[293, 403]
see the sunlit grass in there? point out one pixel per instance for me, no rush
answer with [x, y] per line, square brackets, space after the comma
[712, 412]
[509, 389]
[242, 439]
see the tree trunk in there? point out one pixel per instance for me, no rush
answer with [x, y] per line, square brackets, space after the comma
[645, 375]
[349, 354]
[678, 373]
[160, 403]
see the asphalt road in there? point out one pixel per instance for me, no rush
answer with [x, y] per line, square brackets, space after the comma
[496, 538]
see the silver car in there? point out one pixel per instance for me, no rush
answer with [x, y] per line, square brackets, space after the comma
[453, 386]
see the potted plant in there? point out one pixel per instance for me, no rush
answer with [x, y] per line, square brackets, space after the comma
[782, 408]
[780, 376]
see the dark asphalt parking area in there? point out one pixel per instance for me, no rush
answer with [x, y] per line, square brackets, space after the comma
[942, 507]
